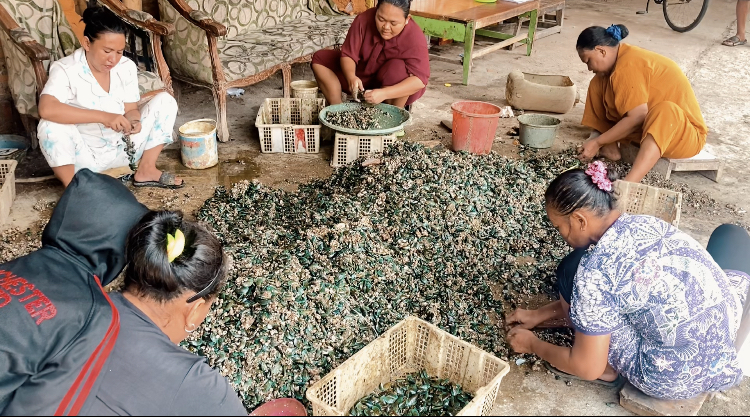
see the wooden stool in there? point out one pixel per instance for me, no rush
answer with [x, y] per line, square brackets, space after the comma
[705, 163]
[641, 404]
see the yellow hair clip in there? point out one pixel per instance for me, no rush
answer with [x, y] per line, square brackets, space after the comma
[175, 245]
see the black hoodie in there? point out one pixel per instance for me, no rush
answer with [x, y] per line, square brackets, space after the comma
[57, 325]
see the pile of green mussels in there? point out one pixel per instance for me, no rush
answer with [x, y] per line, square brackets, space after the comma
[453, 238]
[414, 395]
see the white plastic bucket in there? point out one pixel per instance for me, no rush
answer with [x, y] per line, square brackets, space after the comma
[198, 144]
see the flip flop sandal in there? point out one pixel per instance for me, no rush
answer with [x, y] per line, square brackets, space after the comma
[165, 181]
[617, 383]
[734, 41]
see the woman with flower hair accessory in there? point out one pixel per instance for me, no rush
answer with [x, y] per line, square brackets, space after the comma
[648, 304]
[639, 96]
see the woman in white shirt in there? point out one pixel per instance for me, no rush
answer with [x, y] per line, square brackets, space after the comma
[90, 105]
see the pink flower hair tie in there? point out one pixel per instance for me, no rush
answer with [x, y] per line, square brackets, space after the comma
[597, 170]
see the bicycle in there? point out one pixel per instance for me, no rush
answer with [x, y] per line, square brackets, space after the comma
[681, 15]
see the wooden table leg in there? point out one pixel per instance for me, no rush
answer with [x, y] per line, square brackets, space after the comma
[469, 50]
[532, 31]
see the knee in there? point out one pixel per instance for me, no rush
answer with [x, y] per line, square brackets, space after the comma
[50, 130]
[729, 233]
[667, 107]
[163, 104]
[566, 272]
[392, 72]
[324, 57]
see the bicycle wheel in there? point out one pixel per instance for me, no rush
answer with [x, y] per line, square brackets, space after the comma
[684, 15]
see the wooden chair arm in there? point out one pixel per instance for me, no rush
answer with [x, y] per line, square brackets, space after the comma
[22, 38]
[137, 18]
[199, 18]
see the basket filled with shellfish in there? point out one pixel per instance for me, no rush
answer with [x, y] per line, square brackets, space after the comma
[415, 368]
[362, 129]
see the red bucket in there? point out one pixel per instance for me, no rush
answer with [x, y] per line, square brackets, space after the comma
[474, 126]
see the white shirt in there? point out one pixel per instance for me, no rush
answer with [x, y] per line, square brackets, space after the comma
[72, 82]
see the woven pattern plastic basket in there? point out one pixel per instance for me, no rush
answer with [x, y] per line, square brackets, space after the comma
[411, 346]
[7, 187]
[289, 125]
[347, 148]
[636, 198]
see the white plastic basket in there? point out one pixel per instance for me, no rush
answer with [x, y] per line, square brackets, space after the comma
[7, 187]
[411, 346]
[347, 148]
[289, 125]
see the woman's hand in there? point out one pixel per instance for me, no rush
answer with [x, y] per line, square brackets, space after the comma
[136, 127]
[521, 340]
[355, 86]
[589, 149]
[523, 319]
[117, 122]
[375, 96]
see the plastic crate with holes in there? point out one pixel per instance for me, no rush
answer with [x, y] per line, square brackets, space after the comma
[637, 198]
[347, 148]
[7, 187]
[289, 125]
[411, 346]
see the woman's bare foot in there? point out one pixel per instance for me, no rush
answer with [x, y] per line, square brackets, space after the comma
[611, 151]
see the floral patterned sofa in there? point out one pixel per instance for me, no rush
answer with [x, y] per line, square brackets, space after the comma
[35, 33]
[221, 44]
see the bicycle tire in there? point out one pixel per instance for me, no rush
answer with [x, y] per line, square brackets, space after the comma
[691, 26]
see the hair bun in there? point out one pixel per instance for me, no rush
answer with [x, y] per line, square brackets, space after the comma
[624, 32]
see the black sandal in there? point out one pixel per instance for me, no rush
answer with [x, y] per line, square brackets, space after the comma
[617, 383]
[165, 181]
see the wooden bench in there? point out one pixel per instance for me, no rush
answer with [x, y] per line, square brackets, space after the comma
[549, 21]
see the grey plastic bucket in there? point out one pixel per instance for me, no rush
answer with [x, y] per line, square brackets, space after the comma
[537, 130]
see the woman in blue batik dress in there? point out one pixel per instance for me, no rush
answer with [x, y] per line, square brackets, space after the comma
[647, 302]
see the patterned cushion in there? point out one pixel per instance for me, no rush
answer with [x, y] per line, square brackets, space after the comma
[148, 82]
[250, 26]
[241, 16]
[44, 21]
[259, 50]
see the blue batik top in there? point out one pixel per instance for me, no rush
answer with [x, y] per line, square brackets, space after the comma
[671, 311]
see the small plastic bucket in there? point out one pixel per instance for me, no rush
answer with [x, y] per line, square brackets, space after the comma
[537, 130]
[199, 148]
[474, 126]
[304, 89]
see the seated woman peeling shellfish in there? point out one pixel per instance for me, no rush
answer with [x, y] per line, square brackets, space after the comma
[647, 302]
[89, 109]
[640, 93]
[385, 56]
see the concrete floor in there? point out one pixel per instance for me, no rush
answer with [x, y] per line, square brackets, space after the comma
[719, 75]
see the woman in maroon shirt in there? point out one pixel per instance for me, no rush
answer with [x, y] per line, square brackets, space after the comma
[384, 55]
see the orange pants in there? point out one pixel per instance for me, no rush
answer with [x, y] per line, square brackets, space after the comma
[665, 121]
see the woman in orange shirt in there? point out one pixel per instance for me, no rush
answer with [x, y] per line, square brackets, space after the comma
[640, 93]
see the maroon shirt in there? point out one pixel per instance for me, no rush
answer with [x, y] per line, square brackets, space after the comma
[370, 51]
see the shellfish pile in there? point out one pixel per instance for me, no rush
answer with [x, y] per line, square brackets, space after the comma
[414, 395]
[319, 273]
[364, 118]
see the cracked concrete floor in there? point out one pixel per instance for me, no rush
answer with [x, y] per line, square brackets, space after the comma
[719, 75]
